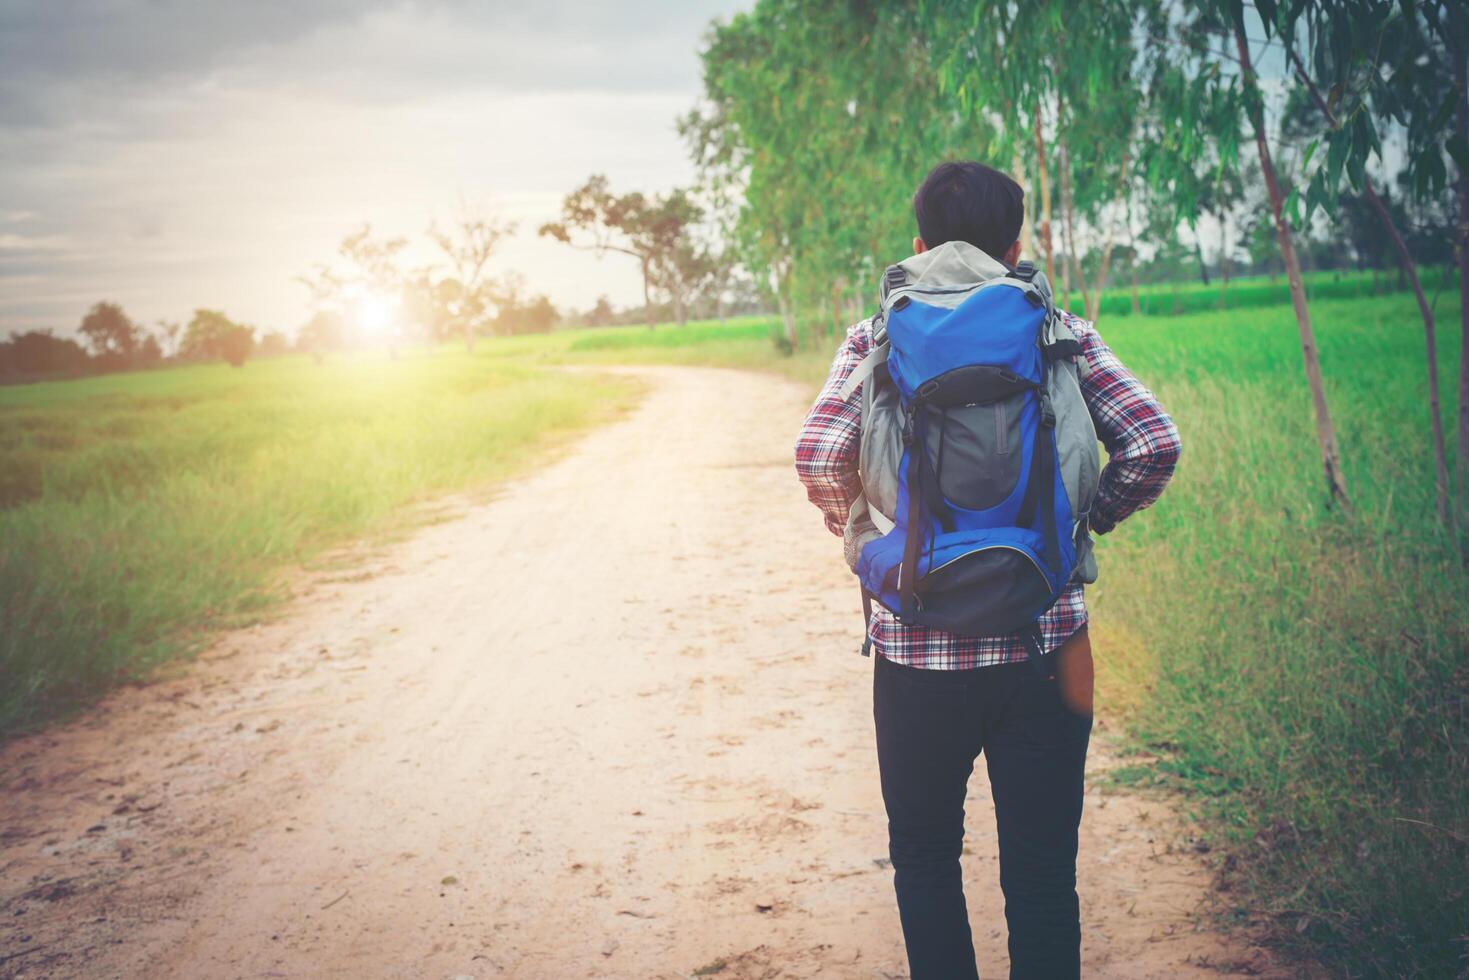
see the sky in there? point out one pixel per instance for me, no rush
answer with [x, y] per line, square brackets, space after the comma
[175, 154]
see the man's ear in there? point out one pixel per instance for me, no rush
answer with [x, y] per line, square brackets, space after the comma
[1012, 254]
[919, 247]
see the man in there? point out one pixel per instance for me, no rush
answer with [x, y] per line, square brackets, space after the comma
[940, 699]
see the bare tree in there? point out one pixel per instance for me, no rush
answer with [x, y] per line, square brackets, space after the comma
[468, 243]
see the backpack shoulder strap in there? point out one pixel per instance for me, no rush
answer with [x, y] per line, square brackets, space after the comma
[863, 371]
[876, 355]
[1065, 345]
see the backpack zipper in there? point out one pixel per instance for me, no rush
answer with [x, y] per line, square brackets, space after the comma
[988, 547]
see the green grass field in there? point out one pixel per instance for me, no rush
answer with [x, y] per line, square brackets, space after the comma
[1302, 676]
[1174, 299]
[139, 511]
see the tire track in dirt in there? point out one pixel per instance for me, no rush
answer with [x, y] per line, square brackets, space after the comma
[611, 724]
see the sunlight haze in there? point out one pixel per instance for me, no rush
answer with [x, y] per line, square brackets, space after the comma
[174, 155]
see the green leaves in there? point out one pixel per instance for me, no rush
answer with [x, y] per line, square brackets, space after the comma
[819, 116]
[1458, 148]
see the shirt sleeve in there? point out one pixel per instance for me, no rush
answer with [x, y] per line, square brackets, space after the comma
[1142, 442]
[829, 442]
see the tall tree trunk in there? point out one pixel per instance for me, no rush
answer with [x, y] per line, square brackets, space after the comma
[647, 296]
[1045, 180]
[1093, 300]
[1071, 269]
[1223, 257]
[1137, 307]
[1460, 51]
[1199, 254]
[1018, 165]
[1325, 429]
[1408, 271]
[787, 318]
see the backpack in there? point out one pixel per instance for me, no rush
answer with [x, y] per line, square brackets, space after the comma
[979, 459]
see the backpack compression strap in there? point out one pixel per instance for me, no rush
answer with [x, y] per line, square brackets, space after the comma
[908, 570]
[1040, 492]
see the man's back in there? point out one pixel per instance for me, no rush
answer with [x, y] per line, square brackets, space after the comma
[941, 699]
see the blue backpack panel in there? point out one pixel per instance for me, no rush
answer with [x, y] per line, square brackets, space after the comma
[983, 537]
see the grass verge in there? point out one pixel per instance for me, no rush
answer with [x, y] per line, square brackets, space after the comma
[138, 511]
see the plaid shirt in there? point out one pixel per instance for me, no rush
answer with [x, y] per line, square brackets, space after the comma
[1142, 445]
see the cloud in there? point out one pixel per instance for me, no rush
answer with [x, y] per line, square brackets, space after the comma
[70, 59]
[172, 153]
[12, 242]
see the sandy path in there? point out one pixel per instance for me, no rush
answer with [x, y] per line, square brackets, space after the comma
[594, 728]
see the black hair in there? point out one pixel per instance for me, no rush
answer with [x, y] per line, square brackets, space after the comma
[969, 202]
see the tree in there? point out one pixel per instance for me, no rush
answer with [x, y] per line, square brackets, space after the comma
[113, 336]
[720, 277]
[236, 345]
[681, 272]
[1255, 112]
[1257, 238]
[602, 314]
[39, 354]
[649, 229]
[370, 285]
[1361, 60]
[1196, 86]
[517, 314]
[168, 332]
[794, 139]
[468, 244]
[273, 343]
[1389, 232]
[325, 331]
[210, 334]
[1458, 31]
[149, 353]
[440, 309]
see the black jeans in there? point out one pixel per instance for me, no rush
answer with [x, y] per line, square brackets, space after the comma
[931, 726]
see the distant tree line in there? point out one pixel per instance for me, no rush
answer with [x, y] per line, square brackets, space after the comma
[113, 341]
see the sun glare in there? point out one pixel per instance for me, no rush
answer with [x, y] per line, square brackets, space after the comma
[374, 315]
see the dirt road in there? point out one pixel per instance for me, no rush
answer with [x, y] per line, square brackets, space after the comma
[612, 724]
